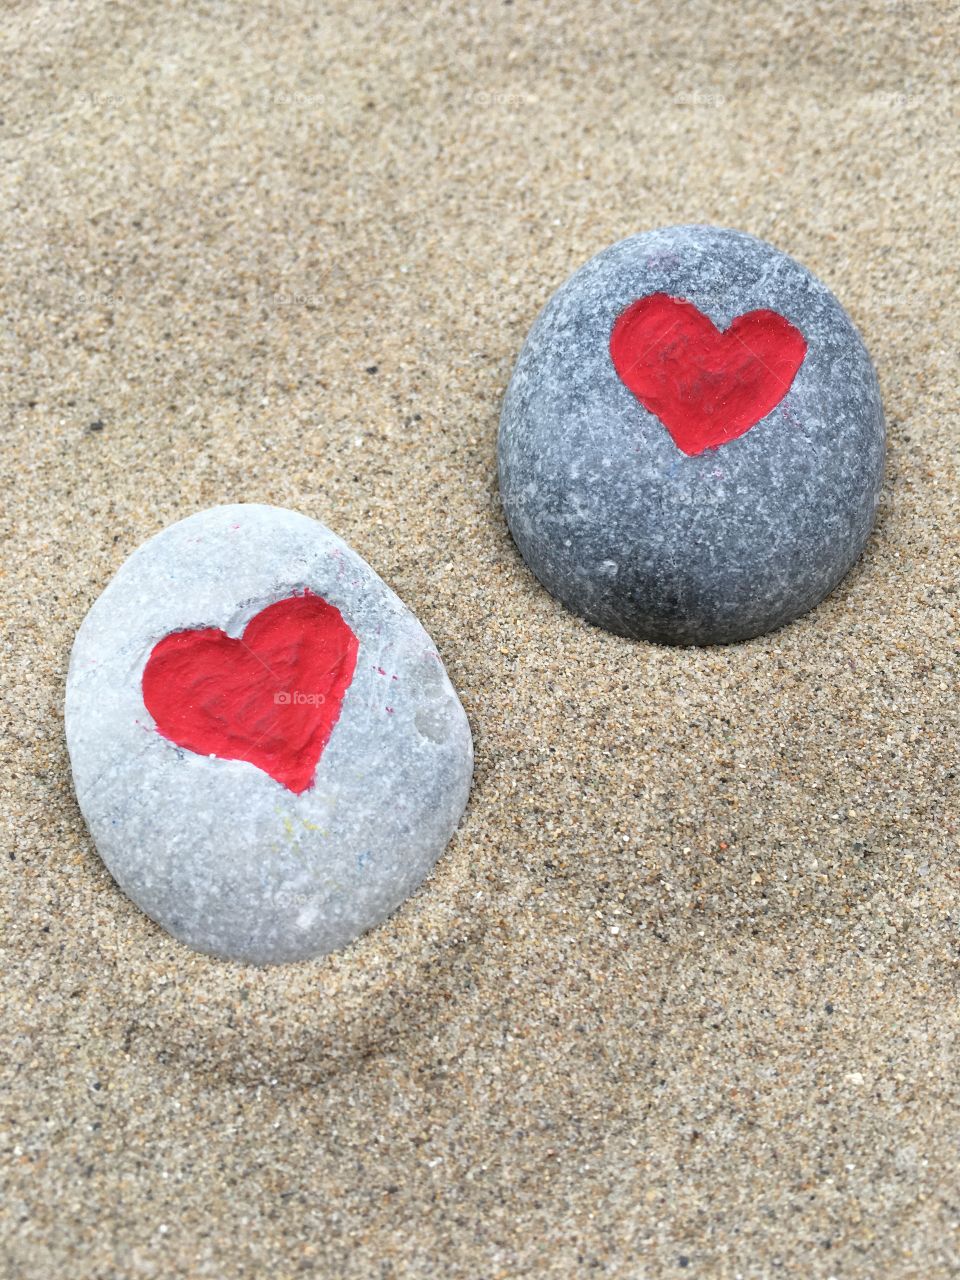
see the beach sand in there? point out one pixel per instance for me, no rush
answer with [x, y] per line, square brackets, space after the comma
[681, 997]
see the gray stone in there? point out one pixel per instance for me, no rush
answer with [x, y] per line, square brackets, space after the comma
[230, 859]
[628, 530]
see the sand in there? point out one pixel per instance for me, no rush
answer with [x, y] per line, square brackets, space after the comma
[681, 998]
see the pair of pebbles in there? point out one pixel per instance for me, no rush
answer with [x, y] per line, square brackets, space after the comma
[265, 744]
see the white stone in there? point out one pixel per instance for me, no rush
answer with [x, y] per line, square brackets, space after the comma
[217, 851]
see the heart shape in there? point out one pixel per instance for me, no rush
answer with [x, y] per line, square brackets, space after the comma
[707, 387]
[271, 697]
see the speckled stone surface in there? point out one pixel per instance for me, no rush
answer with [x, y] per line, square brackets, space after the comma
[634, 534]
[220, 853]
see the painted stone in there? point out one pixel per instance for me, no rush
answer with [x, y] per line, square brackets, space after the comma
[265, 745]
[691, 446]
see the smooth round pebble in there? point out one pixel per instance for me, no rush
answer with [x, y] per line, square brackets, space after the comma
[691, 446]
[265, 744]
